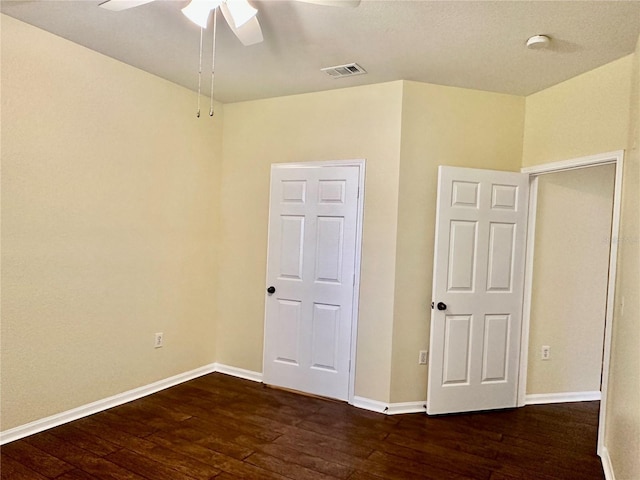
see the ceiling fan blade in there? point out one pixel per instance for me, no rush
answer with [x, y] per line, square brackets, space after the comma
[118, 5]
[249, 33]
[334, 3]
[241, 11]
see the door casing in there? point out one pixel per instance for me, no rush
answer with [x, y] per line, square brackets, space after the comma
[360, 164]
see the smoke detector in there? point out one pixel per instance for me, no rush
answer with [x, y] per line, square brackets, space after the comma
[538, 42]
[348, 70]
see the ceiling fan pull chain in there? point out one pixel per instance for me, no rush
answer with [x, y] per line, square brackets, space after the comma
[200, 73]
[213, 57]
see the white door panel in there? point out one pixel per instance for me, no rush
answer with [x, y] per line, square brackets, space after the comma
[478, 275]
[311, 265]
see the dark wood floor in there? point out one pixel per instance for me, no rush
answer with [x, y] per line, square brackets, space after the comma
[225, 428]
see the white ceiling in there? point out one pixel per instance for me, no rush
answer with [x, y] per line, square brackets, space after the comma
[472, 44]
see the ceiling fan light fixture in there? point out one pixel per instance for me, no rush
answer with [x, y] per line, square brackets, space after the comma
[241, 11]
[198, 11]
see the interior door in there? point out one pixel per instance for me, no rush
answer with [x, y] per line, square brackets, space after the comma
[477, 290]
[310, 278]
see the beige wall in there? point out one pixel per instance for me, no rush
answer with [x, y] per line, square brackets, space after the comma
[440, 126]
[585, 115]
[623, 404]
[361, 122]
[570, 276]
[109, 226]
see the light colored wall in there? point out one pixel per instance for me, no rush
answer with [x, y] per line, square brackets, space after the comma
[570, 275]
[360, 122]
[109, 226]
[440, 126]
[585, 115]
[623, 403]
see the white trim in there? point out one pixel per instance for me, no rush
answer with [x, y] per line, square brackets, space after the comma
[582, 162]
[564, 397]
[100, 405]
[389, 408]
[607, 466]
[361, 164]
[617, 158]
[321, 163]
[368, 404]
[357, 271]
[611, 297]
[407, 407]
[238, 372]
[528, 290]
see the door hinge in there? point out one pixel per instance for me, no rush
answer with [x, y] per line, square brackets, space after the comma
[349, 365]
[358, 193]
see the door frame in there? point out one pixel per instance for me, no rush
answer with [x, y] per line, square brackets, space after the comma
[360, 164]
[616, 158]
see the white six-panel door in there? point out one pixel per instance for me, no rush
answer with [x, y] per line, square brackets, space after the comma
[311, 267]
[477, 290]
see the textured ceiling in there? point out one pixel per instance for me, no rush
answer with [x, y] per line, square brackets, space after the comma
[473, 44]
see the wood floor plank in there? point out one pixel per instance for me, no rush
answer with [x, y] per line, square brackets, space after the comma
[442, 460]
[318, 464]
[36, 459]
[437, 467]
[11, 469]
[406, 447]
[169, 457]
[226, 476]
[382, 469]
[150, 468]
[286, 469]
[332, 443]
[327, 426]
[223, 462]
[80, 458]
[93, 443]
[360, 475]
[223, 424]
[221, 442]
[76, 475]
[224, 428]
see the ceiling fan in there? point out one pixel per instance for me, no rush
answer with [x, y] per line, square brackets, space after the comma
[239, 14]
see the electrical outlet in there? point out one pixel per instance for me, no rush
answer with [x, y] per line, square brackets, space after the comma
[422, 357]
[159, 339]
[545, 354]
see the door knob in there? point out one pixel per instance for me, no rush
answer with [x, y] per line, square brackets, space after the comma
[442, 306]
[271, 290]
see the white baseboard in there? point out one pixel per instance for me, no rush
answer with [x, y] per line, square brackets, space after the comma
[120, 399]
[606, 464]
[125, 397]
[407, 407]
[238, 372]
[389, 408]
[371, 405]
[565, 397]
